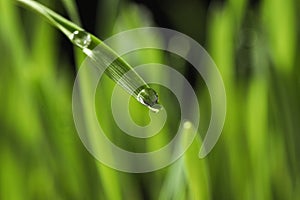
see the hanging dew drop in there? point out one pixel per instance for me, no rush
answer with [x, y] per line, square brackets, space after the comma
[81, 38]
[149, 97]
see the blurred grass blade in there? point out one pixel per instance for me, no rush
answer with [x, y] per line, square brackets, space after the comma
[196, 169]
[56, 20]
[72, 11]
[174, 186]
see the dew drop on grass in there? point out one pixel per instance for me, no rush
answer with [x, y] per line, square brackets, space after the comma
[81, 38]
[146, 96]
[149, 97]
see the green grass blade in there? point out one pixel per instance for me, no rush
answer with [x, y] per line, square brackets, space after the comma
[87, 42]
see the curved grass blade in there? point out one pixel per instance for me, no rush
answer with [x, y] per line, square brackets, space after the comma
[117, 71]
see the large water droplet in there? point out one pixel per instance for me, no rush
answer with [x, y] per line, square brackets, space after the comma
[149, 97]
[81, 39]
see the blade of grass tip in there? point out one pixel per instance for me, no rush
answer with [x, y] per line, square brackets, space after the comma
[187, 170]
[104, 54]
[196, 169]
[174, 184]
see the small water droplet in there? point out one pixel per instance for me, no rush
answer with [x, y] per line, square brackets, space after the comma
[149, 97]
[81, 39]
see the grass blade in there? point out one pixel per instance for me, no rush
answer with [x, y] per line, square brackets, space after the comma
[87, 42]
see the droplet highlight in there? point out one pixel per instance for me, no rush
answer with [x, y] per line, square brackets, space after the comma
[156, 108]
[81, 38]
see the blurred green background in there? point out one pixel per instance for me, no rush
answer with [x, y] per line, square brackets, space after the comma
[255, 45]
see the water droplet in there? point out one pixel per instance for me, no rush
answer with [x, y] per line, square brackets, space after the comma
[149, 97]
[81, 39]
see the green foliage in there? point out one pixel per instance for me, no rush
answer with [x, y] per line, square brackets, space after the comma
[255, 48]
